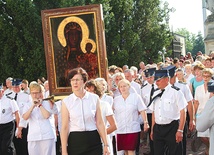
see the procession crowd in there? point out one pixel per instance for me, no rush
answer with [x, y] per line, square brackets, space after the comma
[167, 101]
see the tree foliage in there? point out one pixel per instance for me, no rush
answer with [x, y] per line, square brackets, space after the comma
[138, 28]
[198, 44]
[22, 54]
[194, 43]
[135, 30]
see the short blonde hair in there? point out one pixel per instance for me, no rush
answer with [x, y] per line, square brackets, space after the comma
[208, 71]
[188, 65]
[199, 66]
[124, 81]
[118, 74]
[25, 81]
[98, 80]
[35, 85]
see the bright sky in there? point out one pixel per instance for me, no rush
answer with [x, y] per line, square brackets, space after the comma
[188, 15]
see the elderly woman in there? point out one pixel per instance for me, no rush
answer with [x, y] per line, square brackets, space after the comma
[201, 97]
[41, 136]
[82, 119]
[127, 107]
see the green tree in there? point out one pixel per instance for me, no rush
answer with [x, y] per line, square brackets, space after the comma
[198, 44]
[21, 40]
[189, 38]
[194, 43]
[139, 28]
[135, 30]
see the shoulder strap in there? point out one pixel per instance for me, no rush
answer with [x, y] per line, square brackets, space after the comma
[176, 88]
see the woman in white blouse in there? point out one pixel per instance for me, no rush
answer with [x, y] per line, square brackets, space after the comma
[127, 107]
[41, 136]
[82, 123]
[99, 87]
[201, 97]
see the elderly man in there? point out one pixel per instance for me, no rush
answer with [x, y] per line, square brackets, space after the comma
[9, 89]
[142, 67]
[129, 76]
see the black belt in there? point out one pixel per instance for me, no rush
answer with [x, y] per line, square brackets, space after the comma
[6, 123]
[172, 123]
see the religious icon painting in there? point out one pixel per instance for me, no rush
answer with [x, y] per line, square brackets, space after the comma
[73, 37]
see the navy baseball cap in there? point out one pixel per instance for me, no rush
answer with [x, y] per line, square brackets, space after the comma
[210, 87]
[171, 69]
[159, 74]
[149, 72]
[16, 82]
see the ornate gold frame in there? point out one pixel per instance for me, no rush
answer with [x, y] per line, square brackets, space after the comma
[90, 20]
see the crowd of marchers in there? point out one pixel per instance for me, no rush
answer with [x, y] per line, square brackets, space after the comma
[168, 101]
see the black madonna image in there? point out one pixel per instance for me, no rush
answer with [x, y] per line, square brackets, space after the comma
[73, 37]
[77, 48]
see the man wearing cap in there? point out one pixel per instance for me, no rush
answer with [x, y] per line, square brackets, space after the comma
[184, 88]
[205, 120]
[21, 98]
[8, 109]
[168, 117]
[147, 92]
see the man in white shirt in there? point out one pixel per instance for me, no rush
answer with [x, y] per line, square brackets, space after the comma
[184, 88]
[25, 86]
[21, 99]
[128, 75]
[8, 109]
[9, 89]
[147, 92]
[142, 67]
[168, 117]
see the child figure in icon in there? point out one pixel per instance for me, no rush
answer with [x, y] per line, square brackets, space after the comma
[89, 62]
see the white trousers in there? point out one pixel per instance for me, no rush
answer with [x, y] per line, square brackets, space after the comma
[42, 147]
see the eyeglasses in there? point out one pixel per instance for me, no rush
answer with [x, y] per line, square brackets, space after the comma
[77, 80]
[34, 93]
[206, 76]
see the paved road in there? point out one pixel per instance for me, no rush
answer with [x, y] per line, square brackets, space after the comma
[144, 149]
